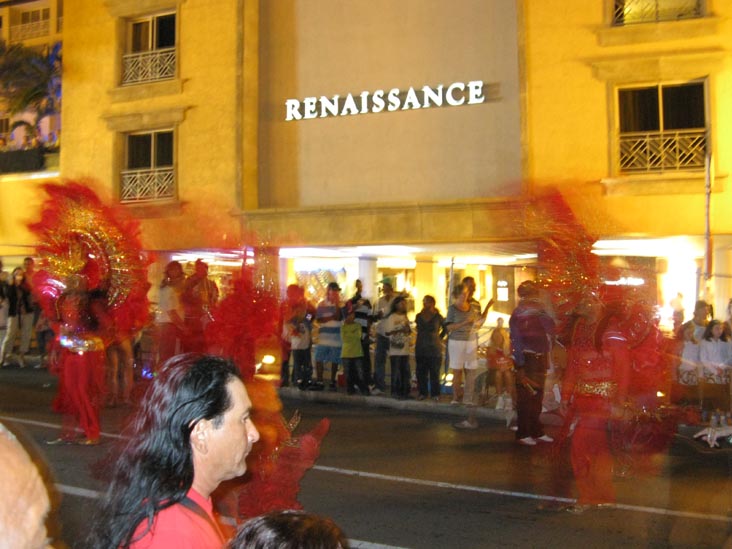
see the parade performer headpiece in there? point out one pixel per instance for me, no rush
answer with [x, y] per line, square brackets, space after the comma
[88, 245]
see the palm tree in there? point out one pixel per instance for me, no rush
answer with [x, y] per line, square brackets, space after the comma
[30, 81]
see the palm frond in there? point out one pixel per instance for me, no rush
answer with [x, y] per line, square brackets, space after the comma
[30, 80]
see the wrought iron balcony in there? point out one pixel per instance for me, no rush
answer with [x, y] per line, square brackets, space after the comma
[147, 185]
[628, 12]
[27, 31]
[653, 152]
[149, 66]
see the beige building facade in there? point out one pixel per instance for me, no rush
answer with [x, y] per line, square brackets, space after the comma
[627, 110]
[355, 136]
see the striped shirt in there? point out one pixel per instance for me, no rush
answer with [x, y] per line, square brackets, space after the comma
[329, 334]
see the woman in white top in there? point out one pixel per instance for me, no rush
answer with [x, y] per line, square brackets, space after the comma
[714, 354]
[689, 370]
[715, 357]
[170, 314]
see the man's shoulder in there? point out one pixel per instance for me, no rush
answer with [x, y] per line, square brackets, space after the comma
[176, 527]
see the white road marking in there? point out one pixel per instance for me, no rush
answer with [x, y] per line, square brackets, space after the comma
[49, 425]
[510, 493]
[82, 492]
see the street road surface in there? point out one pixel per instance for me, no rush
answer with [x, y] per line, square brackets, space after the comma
[393, 478]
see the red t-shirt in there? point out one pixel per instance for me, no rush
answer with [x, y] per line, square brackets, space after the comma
[180, 528]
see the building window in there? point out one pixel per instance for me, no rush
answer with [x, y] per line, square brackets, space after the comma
[31, 24]
[629, 12]
[34, 16]
[151, 54]
[662, 128]
[149, 173]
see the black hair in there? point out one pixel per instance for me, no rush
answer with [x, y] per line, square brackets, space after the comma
[394, 303]
[155, 466]
[708, 330]
[289, 530]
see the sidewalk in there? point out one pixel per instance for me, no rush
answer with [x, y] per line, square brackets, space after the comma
[42, 377]
[428, 406]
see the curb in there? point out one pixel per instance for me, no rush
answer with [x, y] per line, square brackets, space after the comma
[417, 406]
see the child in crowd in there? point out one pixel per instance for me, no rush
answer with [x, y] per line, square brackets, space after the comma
[298, 332]
[44, 338]
[397, 330]
[352, 353]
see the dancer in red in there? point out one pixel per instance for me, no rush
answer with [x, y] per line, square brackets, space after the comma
[91, 280]
[80, 363]
[593, 392]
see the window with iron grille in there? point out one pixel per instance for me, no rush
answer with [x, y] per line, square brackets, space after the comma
[151, 52]
[35, 16]
[149, 167]
[628, 12]
[662, 127]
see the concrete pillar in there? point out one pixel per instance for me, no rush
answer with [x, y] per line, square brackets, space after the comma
[367, 275]
[424, 282]
[722, 281]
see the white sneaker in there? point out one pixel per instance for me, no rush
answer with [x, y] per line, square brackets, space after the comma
[499, 403]
[545, 438]
[527, 441]
[465, 424]
[376, 391]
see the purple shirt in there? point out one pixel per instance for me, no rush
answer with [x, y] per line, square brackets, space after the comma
[529, 327]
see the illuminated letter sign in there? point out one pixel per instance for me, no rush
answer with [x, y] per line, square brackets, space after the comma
[452, 95]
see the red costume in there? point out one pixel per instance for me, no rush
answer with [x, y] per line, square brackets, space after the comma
[80, 367]
[92, 277]
[244, 320]
[595, 381]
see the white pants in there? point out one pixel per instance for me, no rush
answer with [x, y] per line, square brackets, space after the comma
[22, 326]
[464, 356]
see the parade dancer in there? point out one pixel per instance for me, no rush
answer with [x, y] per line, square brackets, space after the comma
[594, 391]
[91, 280]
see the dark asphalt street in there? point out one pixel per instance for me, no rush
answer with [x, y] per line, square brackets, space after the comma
[395, 474]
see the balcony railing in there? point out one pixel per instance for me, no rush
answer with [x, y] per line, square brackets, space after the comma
[663, 151]
[29, 30]
[149, 66]
[31, 160]
[147, 185]
[628, 12]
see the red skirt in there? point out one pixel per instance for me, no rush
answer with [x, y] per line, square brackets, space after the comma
[81, 388]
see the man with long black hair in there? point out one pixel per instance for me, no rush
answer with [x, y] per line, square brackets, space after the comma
[192, 432]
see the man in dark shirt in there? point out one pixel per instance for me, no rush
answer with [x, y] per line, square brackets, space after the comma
[530, 327]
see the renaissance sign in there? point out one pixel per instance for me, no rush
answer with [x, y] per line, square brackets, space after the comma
[452, 95]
